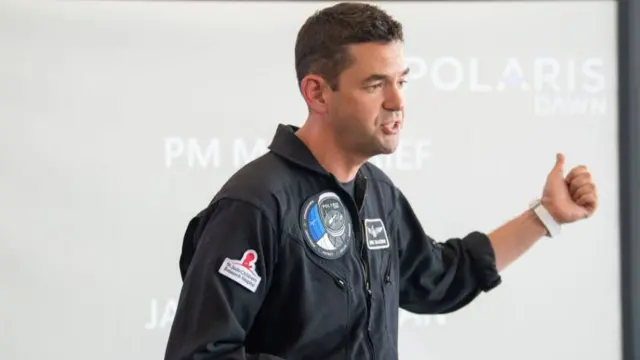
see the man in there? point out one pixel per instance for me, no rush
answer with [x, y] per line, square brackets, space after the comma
[309, 251]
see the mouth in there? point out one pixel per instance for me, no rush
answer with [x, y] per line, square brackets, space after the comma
[391, 128]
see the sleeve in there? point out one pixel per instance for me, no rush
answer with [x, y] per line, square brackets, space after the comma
[439, 278]
[224, 283]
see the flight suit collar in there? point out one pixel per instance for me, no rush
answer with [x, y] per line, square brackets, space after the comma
[285, 143]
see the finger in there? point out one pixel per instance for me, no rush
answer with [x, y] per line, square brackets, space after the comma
[575, 172]
[578, 182]
[588, 201]
[583, 190]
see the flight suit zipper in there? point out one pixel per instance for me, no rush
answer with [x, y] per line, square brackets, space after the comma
[365, 268]
[363, 260]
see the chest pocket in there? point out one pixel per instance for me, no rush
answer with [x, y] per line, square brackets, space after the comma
[382, 253]
[389, 285]
[318, 294]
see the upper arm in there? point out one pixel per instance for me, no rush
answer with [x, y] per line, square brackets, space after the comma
[440, 277]
[225, 278]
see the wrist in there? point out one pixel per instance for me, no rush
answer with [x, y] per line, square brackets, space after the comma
[539, 208]
[533, 218]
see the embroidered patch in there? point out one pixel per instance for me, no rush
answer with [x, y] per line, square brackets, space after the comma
[242, 271]
[376, 234]
[326, 225]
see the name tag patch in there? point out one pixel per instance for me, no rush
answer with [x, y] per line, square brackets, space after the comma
[242, 271]
[376, 234]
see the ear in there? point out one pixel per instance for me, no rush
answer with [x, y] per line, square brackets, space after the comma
[313, 89]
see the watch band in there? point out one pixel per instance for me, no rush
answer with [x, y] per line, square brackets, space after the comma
[552, 226]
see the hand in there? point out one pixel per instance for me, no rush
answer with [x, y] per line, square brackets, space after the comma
[572, 198]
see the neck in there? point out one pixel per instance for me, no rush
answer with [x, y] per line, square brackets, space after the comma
[328, 152]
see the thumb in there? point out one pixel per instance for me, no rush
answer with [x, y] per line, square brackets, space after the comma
[559, 166]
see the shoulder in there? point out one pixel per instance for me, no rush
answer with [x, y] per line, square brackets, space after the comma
[259, 183]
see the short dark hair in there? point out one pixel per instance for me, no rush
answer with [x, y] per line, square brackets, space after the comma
[321, 45]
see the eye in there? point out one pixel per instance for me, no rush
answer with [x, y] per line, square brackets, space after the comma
[401, 83]
[374, 87]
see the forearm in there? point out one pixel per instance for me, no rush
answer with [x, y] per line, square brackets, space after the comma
[514, 238]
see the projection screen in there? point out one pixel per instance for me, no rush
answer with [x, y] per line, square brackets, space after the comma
[122, 119]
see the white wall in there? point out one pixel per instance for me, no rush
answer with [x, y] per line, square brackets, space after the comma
[120, 120]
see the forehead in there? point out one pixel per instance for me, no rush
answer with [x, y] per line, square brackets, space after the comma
[377, 58]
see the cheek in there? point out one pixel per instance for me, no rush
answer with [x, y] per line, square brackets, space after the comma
[366, 107]
[356, 110]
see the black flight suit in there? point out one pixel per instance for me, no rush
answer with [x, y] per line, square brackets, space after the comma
[285, 264]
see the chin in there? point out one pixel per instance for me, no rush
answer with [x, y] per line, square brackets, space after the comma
[386, 149]
[390, 145]
[381, 146]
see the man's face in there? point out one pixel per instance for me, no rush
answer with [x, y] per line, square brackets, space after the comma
[367, 110]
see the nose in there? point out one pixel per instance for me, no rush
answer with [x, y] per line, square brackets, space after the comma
[394, 99]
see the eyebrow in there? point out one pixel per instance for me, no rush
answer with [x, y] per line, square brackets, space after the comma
[378, 77]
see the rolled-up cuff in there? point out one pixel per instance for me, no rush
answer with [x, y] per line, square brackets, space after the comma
[484, 260]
